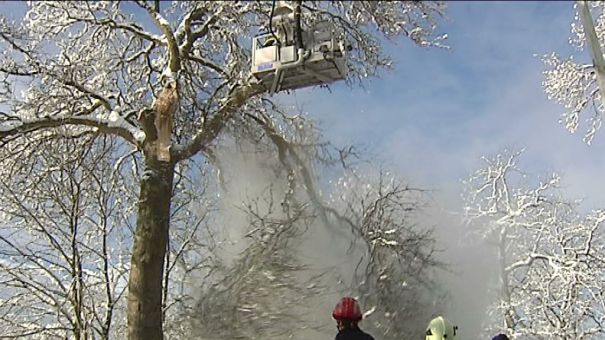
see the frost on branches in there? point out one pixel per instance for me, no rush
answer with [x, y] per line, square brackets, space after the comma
[574, 85]
[86, 71]
[550, 256]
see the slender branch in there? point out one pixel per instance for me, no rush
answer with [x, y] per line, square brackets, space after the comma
[132, 28]
[283, 145]
[210, 64]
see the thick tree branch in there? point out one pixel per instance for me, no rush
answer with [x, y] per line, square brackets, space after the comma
[164, 25]
[211, 129]
[7, 130]
[18, 73]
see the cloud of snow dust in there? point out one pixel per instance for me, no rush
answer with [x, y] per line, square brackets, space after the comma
[471, 273]
[248, 179]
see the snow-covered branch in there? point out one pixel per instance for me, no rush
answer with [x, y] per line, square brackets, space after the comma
[79, 72]
[113, 125]
[574, 85]
[173, 48]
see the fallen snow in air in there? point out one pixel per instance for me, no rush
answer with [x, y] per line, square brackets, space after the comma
[369, 312]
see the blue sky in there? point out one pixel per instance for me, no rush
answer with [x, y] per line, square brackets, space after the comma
[439, 110]
[448, 107]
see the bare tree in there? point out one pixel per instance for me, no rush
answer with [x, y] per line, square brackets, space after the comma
[550, 256]
[265, 290]
[63, 253]
[261, 293]
[66, 235]
[99, 67]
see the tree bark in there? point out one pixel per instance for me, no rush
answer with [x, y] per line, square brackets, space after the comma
[149, 250]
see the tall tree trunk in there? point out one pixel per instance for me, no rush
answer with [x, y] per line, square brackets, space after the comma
[149, 250]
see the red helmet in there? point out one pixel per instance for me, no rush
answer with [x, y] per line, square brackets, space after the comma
[347, 309]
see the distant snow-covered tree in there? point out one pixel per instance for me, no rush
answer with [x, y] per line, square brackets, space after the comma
[550, 256]
[574, 84]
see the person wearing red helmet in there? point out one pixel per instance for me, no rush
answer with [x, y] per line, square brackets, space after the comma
[347, 314]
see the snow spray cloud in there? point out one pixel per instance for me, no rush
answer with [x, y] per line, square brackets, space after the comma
[282, 270]
[251, 210]
[470, 277]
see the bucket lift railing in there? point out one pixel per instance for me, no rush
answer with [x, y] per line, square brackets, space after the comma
[294, 57]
